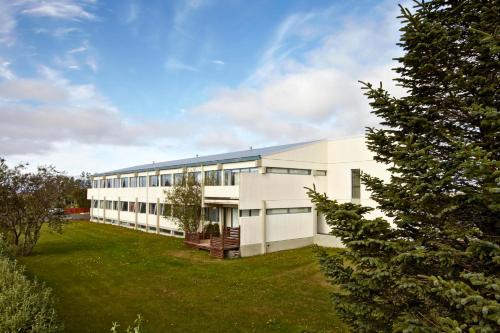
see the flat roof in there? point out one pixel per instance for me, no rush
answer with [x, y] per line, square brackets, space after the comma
[232, 157]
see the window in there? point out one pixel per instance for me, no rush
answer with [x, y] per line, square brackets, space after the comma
[153, 181]
[131, 207]
[141, 226]
[178, 233]
[109, 183]
[166, 180]
[95, 203]
[212, 214]
[151, 228]
[152, 208]
[102, 183]
[115, 205]
[142, 207]
[299, 210]
[249, 212]
[165, 231]
[274, 211]
[116, 183]
[213, 178]
[109, 204]
[289, 171]
[124, 182]
[101, 203]
[95, 184]
[124, 206]
[231, 177]
[320, 173]
[355, 185]
[194, 178]
[294, 210]
[133, 182]
[179, 179]
[299, 172]
[166, 209]
[142, 181]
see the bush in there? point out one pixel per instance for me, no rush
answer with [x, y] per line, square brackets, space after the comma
[25, 306]
[211, 229]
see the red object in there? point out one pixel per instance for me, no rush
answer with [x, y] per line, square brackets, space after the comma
[76, 210]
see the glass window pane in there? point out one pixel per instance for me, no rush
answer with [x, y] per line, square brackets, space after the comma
[277, 170]
[299, 172]
[166, 180]
[274, 211]
[299, 210]
[355, 184]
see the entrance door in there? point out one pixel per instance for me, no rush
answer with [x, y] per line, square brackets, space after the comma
[231, 217]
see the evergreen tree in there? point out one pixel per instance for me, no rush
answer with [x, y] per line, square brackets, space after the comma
[437, 267]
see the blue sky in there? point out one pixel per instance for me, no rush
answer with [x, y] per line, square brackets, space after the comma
[95, 85]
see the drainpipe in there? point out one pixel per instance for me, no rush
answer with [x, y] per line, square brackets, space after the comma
[263, 224]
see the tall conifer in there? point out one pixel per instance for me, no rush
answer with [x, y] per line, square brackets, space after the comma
[435, 267]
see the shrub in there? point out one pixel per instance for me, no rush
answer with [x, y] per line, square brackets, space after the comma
[25, 306]
[211, 229]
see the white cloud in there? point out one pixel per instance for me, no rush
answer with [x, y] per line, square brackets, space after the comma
[7, 23]
[62, 9]
[218, 62]
[306, 85]
[174, 64]
[5, 71]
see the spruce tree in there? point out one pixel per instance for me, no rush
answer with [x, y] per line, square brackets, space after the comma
[434, 264]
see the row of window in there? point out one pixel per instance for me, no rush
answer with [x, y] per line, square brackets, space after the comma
[140, 226]
[212, 178]
[211, 213]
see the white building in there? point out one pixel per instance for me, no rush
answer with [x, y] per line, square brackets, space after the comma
[259, 191]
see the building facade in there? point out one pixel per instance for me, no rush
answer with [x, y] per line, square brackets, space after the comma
[260, 191]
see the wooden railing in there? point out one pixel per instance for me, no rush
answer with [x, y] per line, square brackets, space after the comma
[230, 239]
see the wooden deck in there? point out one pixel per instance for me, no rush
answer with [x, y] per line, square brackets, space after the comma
[217, 245]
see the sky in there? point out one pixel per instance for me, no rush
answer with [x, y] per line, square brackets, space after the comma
[97, 85]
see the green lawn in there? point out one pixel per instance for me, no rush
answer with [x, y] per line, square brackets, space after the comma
[103, 273]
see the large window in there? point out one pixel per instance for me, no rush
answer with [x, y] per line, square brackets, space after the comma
[152, 209]
[142, 181]
[194, 178]
[289, 171]
[166, 209]
[115, 205]
[95, 203]
[109, 183]
[125, 182]
[95, 184]
[166, 180]
[212, 214]
[355, 185]
[294, 210]
[213, 178]
[179, 179]
[124, 206]
[232, 176]
[101, 204]
[133, 182]
[102, 183]
[153, 181]
[116, 182]
[142, 207]
[131, 206]
[109, 204]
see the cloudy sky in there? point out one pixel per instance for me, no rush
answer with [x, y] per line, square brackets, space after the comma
[94, 85]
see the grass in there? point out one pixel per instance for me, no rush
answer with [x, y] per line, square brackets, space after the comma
[103, 273]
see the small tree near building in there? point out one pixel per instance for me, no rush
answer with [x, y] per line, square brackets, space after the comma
[28, 200]
[185, 200]
[437, 269]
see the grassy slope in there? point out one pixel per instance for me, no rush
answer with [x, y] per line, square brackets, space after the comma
[103, 273]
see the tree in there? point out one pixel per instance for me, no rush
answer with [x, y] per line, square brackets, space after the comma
[28, 200]
[185, 200]
[76, 191]
[437, 267]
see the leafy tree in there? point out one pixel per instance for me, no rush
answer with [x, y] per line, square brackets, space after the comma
[437, 267]
[29, 200]
[185, 200]
[75, 190]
